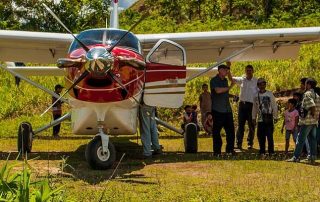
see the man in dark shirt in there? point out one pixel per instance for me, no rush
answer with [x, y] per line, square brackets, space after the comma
[221, 110]
[57, 110]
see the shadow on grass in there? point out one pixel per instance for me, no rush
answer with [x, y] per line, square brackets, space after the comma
[132, 161]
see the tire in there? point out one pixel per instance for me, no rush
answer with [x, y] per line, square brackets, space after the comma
[191, 138]
[96, 159]
[25, 137]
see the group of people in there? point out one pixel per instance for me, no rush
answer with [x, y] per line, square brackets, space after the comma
[258, 108]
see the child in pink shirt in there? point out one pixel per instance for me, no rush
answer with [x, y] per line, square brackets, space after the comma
[290, 122]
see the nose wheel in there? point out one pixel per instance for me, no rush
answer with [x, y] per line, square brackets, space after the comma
[97, 158]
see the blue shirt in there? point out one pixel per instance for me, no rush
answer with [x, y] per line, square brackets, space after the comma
[220, 102]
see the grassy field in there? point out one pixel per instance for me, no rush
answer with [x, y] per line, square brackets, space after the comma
[174, 176]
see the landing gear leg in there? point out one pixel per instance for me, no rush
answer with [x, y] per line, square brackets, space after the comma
[100, 152]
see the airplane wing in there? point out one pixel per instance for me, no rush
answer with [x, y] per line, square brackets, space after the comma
[35, 47]
[201, 47]
[205, 47]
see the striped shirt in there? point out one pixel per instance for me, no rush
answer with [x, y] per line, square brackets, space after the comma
[310, 99]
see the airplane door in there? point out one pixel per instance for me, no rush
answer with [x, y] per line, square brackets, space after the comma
[165, 77]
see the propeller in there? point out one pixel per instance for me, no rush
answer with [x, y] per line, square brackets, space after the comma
[100, 58]
[62, 63]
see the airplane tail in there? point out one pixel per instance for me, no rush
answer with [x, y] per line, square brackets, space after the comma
[116, 8]
[114, 16]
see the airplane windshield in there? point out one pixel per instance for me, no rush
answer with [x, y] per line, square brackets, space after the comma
[107, 36]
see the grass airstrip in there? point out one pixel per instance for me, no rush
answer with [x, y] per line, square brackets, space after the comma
[173, 176]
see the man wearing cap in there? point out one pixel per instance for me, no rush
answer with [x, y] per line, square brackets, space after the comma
[308, 121]
[57, 110]
[265, 111]
[248, 90]
[221, 110]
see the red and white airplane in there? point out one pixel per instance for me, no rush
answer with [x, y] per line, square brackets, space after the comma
[108, 71]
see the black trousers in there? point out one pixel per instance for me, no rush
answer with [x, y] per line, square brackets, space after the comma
[56, 129]
[222, 120]
[265, 131]
[245, 115]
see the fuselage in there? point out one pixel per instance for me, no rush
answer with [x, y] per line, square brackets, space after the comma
[100, 98]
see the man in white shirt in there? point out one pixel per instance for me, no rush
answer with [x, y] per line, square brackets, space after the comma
[248, 90]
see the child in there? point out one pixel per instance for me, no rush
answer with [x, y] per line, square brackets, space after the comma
[265, 106]
[290, 122]
[208, 123]
[205, 103]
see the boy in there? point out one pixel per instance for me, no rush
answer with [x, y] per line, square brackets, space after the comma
[205, 103]
[57, 110]
[265, 106]
[188, 116]
[290, 122]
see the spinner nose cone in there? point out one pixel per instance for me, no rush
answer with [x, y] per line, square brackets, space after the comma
[97, 53]
[100, 60]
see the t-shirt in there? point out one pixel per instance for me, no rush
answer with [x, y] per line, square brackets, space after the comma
[264, 104]
[290, 119]
[220, 101]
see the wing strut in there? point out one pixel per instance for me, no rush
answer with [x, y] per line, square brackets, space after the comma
[34, 83]
[220, 62]
[53, 123]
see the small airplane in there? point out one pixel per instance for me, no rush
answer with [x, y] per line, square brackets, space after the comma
[107, 72]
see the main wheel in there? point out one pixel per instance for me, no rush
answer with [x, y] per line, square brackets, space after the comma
[191, 138]
[25, 135]
[95, 156]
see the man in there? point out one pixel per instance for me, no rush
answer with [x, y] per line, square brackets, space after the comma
[149, 131]
[205, 104]
[248, 89]
[57, 110]
[306, 146]
[265, 107]
[308, 121]
[221, 110]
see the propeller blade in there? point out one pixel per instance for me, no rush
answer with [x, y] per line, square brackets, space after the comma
[125, 34]
[81, 77]
[115, 78]
[65, 27]
[68, 62]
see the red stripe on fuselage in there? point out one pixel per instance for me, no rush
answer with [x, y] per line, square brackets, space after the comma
[160, 72]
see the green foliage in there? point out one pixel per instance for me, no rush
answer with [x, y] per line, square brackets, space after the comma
[18, 186]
